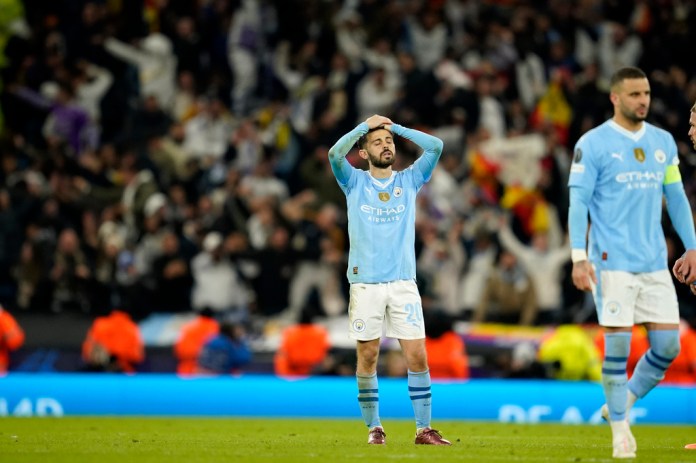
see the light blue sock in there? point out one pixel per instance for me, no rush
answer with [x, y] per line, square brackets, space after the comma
[614, 377]
[650, 370]
[419, 391]
[368, 399]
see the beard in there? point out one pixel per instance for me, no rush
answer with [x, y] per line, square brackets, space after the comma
[378, 162]
[634, 117]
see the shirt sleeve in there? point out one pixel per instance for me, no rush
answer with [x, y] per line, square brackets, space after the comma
[679, 211]
[582, 180]
[431, 146]
[337, 154]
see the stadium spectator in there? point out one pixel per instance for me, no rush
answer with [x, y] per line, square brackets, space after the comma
[30, 276]
[382, 273]
[618, 46]
[244, 43]
[394, 364]
[427, 35]
[91, 83]
[303, 346]
[66, 123]
[480, 265]
[441, 264]
[543, 260]
[155, 63]
[315, 173]
[11, 338]
[217, 281]
[321, 242]
[447, 356]
[508, 296]
[113, 344]
[192, 336]
[148, 120]
[71, 274]
[207, 133]
[172, 276]
[225, 353]
[377, 93]
[275, 266]
[570, 354]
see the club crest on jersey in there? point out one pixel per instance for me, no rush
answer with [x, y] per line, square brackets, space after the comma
[397, 192]
[660, 156]
[639, 154]
[384, 196]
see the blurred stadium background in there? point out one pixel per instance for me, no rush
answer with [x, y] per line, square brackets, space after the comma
[140, 137]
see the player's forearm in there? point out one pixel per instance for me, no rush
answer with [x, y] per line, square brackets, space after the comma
[577, 223]
[428, 143]
[344, 144]
[431, 146]
[679, 211]
[338, 152]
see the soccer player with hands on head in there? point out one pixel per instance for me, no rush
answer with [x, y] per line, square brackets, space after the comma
[382, 263]
[620, 172]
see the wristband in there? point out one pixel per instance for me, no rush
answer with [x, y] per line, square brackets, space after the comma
[578, 255]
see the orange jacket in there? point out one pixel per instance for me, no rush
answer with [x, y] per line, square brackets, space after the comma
[302, 348]
[191, 339]
[11, 338]
[447, 356]
[119, 336]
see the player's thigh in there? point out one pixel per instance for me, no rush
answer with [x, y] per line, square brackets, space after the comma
[404, 317]
[366, 310]
[615, 297]
[657, 299]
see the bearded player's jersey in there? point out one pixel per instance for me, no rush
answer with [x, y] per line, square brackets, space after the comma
[382, 212]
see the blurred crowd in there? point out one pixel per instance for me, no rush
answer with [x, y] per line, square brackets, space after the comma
[171, 155]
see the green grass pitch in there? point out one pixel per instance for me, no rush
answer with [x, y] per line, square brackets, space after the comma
[191, 440]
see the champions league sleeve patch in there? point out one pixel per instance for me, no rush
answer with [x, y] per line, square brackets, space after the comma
[577, 157]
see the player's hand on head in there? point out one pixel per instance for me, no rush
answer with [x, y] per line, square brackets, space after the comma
[377, 120]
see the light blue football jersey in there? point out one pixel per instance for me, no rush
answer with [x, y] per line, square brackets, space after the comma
[623, 174]
[382, 212]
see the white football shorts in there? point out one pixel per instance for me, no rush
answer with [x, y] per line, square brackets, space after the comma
[623, 299]
[392, 308]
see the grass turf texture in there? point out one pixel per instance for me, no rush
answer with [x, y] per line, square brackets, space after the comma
[190, 440]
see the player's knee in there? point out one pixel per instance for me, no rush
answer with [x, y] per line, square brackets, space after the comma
[668, 351]
[417, 362]
[665, 344]
[367, 359]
